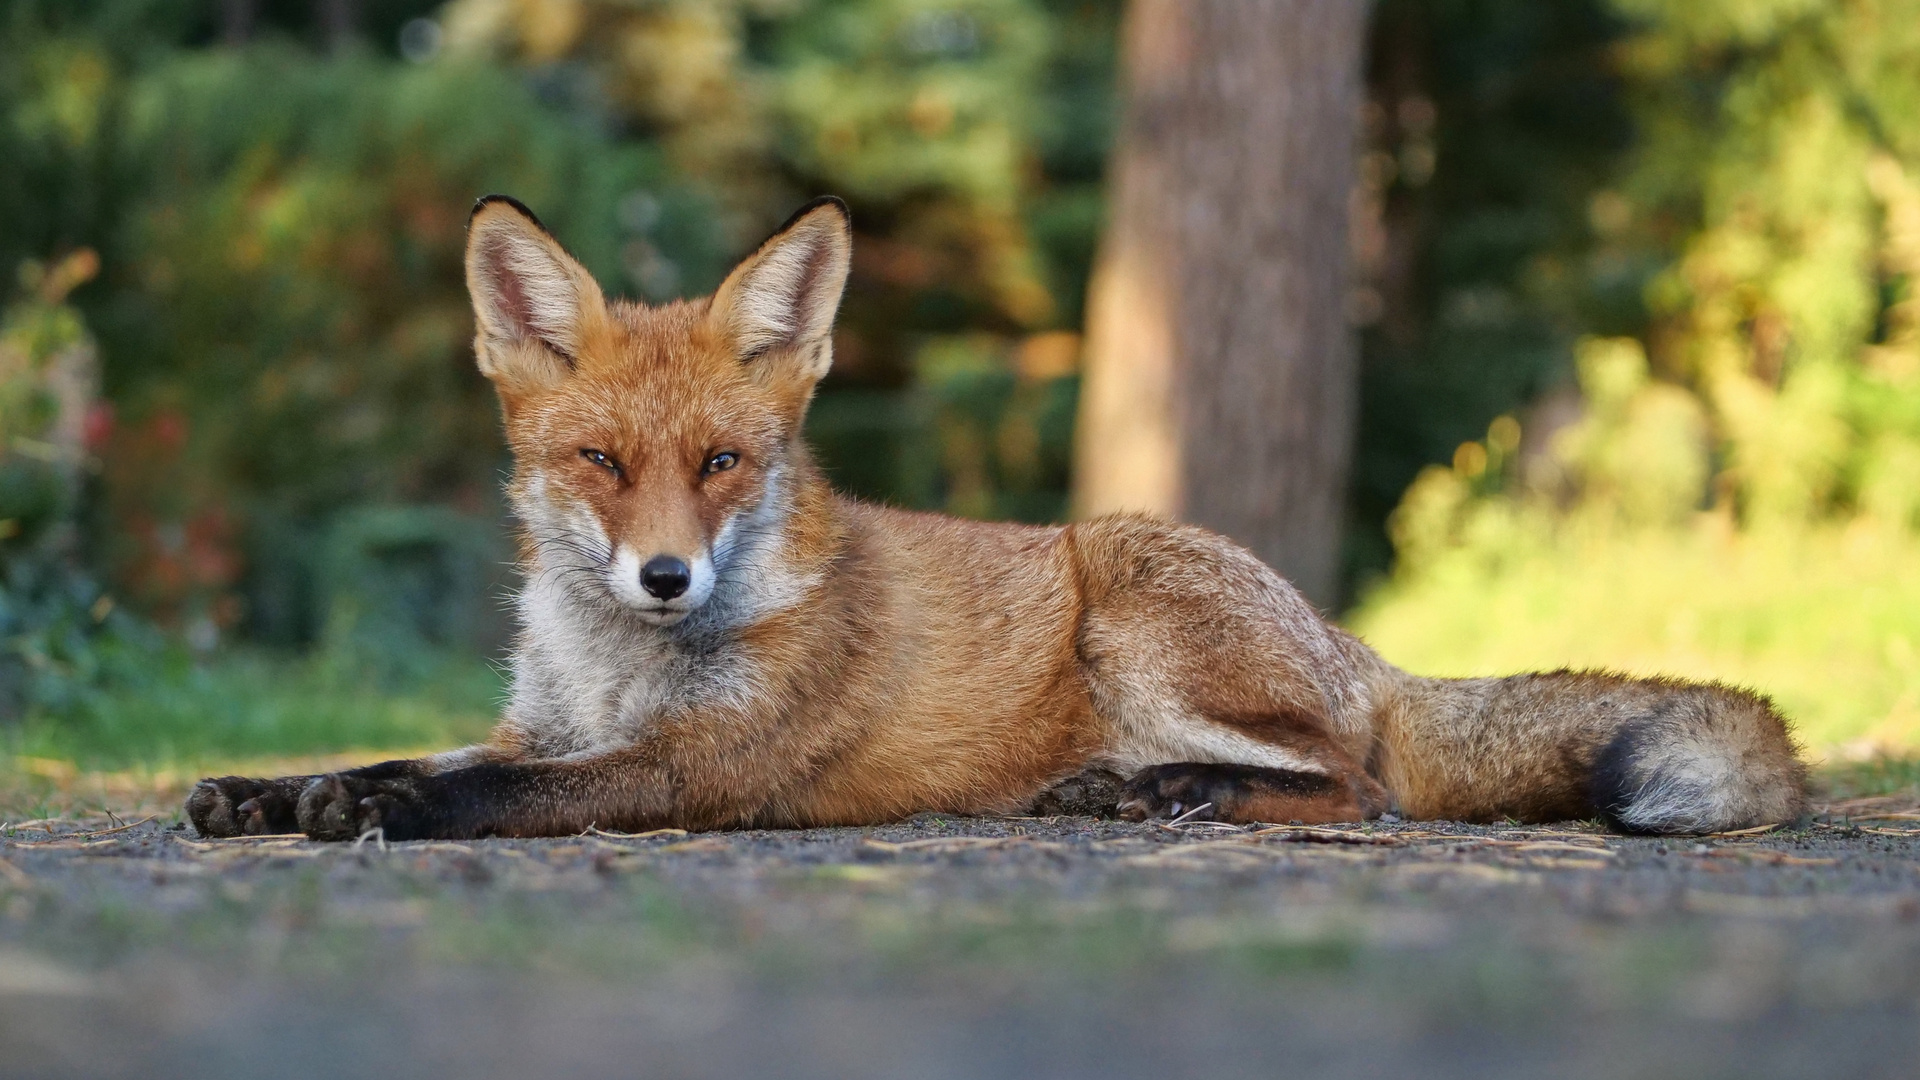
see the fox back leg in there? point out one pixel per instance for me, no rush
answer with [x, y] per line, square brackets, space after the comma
[1216, 681]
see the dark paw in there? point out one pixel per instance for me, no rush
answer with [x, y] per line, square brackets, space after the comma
[1247, 793]
[340, 806]
[1168, 791]
[239, 806]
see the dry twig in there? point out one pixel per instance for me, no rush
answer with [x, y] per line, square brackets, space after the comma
[122, 828]
[1754, 831]
[1313, 835]
[648, 835]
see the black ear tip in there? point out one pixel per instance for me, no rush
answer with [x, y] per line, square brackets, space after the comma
[485, 201]
[834, 201]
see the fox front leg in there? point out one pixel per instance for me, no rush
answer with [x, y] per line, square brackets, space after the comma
[552, 798]
[222, 806]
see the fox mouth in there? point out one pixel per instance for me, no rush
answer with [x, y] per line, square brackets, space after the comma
[662, 614]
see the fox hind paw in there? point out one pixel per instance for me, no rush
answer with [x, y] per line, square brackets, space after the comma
[1243, 794]
[1169, 791]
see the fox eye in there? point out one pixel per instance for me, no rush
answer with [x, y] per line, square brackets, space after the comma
[721, 462]
[601, 460]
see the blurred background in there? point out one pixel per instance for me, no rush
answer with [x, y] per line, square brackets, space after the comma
[1521, 334]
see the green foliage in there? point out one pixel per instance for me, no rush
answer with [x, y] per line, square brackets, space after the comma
[1796, 130]
[407, 585]
[970, 138]
[981, 432]
[1491, 128]
[59, 634]
[1875, 777]
[1737, 497]
[892, 99]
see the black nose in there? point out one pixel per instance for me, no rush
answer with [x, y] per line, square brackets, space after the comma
[665, 577]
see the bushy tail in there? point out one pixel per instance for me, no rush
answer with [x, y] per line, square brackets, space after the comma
[1648, 755]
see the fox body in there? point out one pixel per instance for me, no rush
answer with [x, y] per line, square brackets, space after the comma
[712, 638]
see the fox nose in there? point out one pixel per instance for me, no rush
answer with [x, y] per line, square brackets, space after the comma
[665, 577]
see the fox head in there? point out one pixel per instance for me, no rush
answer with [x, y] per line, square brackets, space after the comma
[653, 447]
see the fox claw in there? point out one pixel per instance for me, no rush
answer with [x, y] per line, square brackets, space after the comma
[340, 806]
[252, 816]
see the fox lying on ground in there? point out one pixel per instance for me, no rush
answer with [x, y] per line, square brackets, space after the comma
[712, 638]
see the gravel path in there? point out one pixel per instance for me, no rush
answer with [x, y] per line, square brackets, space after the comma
[965, 948]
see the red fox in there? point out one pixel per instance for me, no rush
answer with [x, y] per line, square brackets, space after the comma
[711, 638]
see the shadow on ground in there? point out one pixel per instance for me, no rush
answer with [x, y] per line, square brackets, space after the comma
[965, 948]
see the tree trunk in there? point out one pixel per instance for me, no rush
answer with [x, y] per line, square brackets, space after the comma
[1221, 372]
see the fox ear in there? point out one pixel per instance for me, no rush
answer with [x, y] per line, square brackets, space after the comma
[779, 303]
[533, 305]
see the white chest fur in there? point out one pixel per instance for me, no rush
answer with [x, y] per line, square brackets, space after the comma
[587, 677]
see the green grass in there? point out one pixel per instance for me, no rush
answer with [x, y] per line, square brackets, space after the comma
[248, 705]
[1882, 775]
[136, 746]
[1825, 621]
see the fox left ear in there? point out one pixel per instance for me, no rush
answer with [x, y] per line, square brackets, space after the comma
[779, 304]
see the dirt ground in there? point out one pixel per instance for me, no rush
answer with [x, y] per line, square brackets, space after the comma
[966, 948]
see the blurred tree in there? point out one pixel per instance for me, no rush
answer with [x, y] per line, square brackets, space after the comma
[1222, 373]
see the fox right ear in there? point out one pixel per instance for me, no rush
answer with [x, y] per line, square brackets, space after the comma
[533, 305]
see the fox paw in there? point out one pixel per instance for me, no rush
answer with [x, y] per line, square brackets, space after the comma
[239, 806]
[1243, 794]
[1168, 791]
[340, 806]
